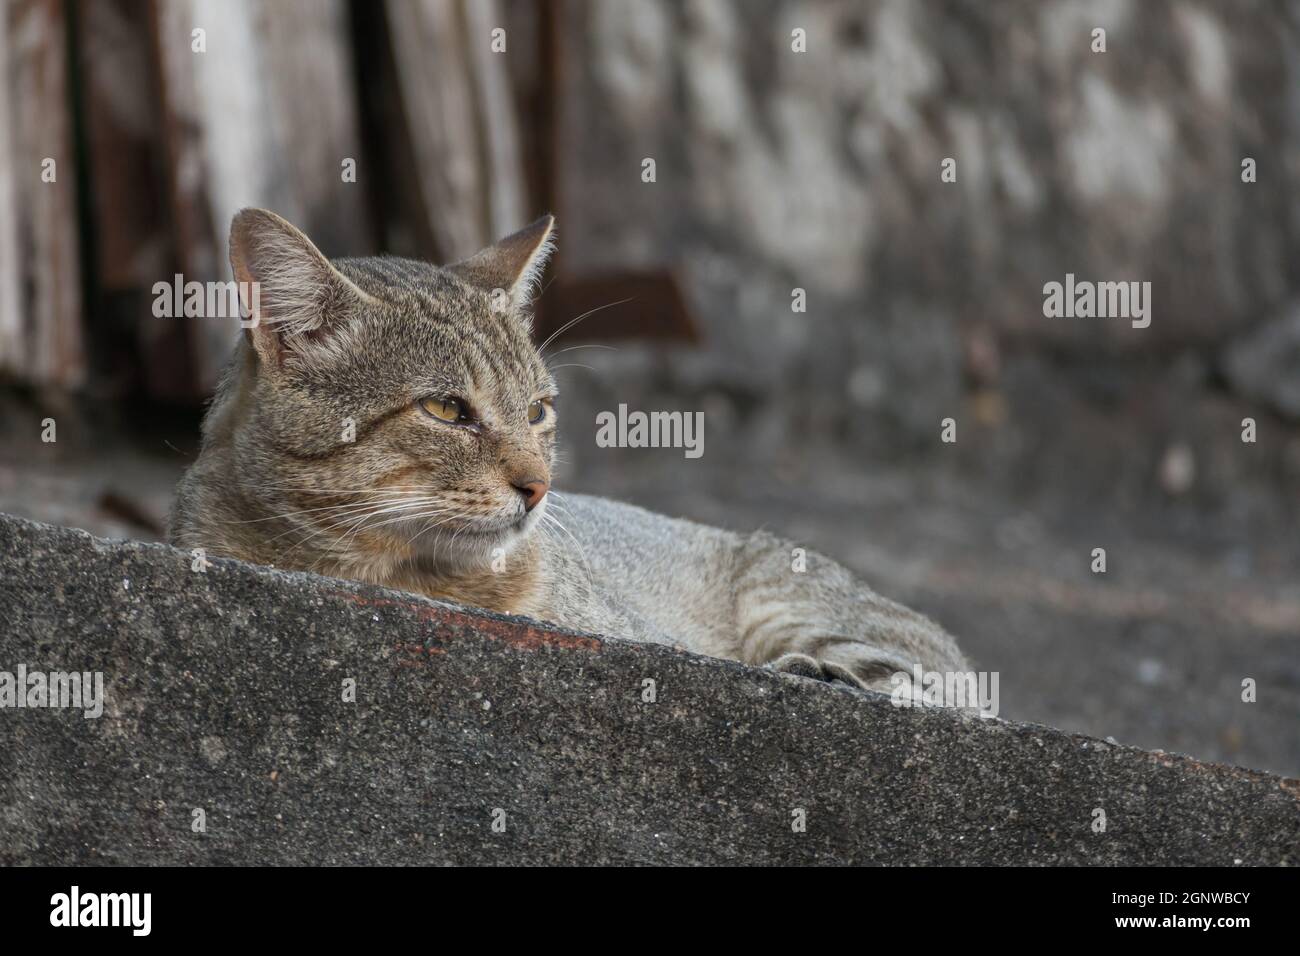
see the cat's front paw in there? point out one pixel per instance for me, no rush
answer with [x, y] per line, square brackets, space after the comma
[802, 665]
[799, 664]
[855, 666]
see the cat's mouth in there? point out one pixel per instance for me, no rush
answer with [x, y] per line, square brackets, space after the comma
[493, 533]
[478, 537]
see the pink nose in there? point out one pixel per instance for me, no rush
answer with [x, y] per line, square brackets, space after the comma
[533, 491]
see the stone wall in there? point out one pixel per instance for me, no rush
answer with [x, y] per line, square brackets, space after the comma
[225, 695]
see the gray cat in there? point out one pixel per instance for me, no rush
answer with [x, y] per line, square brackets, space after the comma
[391, 421]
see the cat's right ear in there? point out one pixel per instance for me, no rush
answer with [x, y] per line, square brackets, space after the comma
[290, 292]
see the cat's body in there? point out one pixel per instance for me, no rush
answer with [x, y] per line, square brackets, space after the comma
[331, 446]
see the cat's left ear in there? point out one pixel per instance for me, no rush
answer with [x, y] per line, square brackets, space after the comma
[513, 267]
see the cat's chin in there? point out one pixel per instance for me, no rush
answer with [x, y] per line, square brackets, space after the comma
[476, 548]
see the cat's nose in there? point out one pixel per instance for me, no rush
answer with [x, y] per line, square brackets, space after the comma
[533, 491]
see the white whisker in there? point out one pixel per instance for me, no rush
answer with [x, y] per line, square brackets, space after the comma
[572, 322]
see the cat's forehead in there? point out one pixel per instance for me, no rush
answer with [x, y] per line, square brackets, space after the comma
[433, 319]
[406, 282]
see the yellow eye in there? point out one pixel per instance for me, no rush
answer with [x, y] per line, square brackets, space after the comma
[536, 412]
[443, 409]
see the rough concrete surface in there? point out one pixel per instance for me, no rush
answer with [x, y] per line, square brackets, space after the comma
[225, 694]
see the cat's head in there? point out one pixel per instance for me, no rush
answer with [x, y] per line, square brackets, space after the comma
[396, 405]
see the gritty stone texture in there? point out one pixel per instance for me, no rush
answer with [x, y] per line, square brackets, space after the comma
[225, 694]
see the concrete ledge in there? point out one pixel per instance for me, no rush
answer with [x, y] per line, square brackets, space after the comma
[224, 693]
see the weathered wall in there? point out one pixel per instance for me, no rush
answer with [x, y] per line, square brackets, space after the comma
[224, 694]
[821, 170]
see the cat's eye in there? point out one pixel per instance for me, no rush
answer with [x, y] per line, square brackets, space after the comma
[444, 409]
[537, 412]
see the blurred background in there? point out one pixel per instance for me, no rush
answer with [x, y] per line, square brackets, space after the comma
[774, 171]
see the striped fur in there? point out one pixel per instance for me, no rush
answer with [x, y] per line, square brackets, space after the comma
[316, 456]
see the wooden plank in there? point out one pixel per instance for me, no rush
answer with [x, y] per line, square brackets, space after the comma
[13, 339]
[265, 117]
[507, 205]
[123, 131]
[131, 231]
[461, 121]
[190, 136]
[309, 73]
[41, 338]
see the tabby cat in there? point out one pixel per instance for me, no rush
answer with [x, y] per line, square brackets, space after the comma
[391, 421]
